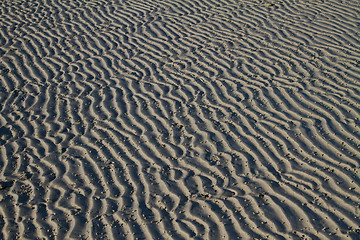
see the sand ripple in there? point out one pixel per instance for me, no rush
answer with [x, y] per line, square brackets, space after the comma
[179, 119]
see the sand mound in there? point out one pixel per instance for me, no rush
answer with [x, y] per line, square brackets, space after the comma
[179, 119]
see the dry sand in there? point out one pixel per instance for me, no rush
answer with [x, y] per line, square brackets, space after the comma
[179, 119]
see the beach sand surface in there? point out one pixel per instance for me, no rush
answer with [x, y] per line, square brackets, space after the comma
[179, 119]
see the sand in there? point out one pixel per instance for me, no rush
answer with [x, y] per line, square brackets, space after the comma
[179, 119]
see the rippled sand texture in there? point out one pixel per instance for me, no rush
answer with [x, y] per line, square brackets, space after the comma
[179, 119]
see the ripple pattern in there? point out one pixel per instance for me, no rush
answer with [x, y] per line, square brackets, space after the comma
[179, 119]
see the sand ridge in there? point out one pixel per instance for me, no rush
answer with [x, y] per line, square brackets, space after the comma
[179, 119]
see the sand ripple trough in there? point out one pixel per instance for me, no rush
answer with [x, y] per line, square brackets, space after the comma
[179, 119]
